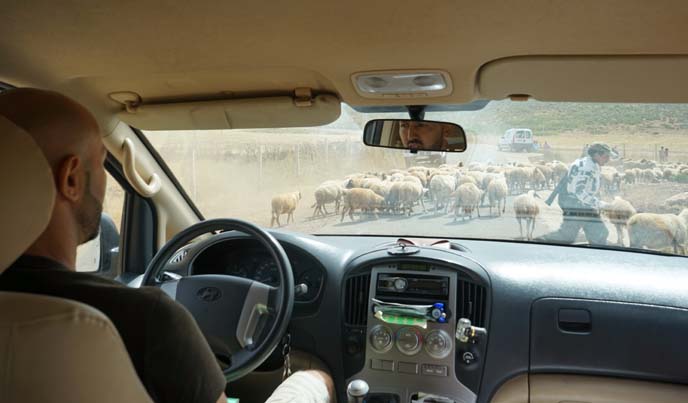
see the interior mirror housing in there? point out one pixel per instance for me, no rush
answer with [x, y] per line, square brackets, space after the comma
[415, 135]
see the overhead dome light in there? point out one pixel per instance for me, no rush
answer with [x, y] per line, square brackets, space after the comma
[430, 81]
[402, 84]
[374, 82]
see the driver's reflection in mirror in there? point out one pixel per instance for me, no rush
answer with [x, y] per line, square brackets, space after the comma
[423, 135]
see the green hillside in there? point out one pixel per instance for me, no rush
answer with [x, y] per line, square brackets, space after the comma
[551, 118]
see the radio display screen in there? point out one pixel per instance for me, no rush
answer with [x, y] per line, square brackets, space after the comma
[414, 266]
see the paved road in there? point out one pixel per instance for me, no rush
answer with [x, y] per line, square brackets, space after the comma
[488, 153]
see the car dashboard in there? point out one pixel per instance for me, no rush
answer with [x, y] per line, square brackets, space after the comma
[538, 310]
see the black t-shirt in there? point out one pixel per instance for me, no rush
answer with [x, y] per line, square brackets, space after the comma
[169, 352]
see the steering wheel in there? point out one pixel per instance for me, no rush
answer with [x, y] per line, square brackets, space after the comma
[243, 320]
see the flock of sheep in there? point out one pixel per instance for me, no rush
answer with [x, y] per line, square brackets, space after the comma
[461, 191]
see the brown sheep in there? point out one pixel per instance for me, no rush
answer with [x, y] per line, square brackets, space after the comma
[284, 204]
[497, 191]
[467, 199]
[657, 231]
[619, 212]
[404, 195]
[526, 208]
[327, 192]
[359, 198]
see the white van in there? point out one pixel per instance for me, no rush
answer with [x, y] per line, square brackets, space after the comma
[516, 140]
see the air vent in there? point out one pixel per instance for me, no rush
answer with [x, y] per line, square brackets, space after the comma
[471, 302]
[356, 300]
[179, 256]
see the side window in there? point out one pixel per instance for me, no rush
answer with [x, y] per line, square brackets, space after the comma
[101, 255]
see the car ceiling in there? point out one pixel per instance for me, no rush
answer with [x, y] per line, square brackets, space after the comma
[168, 51]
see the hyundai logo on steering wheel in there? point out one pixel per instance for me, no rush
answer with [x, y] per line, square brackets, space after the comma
[209, 294]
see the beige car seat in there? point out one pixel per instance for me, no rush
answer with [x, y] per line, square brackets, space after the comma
[51, 349]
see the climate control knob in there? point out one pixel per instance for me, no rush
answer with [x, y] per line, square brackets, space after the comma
[381, 339]
[409, 340]
[438, 344]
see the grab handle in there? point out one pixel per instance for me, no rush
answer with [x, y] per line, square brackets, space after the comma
[145, 189]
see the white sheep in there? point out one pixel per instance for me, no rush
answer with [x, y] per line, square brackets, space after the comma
[479, 176]
[368, 183]
[684, 217]
[284, 204]
[610, 180]
[657, 231]
[404, 195]
[358, 198]
[467, 198]
[382, 188]
[538, 180]
[547, 172]
[489, 177]
[517, 179]
[526, 208]
[630, 176]
[559, 169]
[422, 175]
[619, 211]
[327, 192]
[497, 191]
[441, 188]
[462, 180]
[677, 201]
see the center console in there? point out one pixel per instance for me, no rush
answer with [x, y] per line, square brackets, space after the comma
[413, 360]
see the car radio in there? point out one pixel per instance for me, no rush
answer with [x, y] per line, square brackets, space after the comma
[413, 286]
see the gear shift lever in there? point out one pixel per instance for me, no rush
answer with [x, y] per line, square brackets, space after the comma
[357, 391]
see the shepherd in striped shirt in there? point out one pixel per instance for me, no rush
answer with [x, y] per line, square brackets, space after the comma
[579, 199]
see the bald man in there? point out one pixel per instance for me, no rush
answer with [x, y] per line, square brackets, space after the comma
[169, 352]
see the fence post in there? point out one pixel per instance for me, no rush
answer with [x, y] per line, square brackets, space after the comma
[260, 165]
[193, 167]
[298, 160]
[326, 151]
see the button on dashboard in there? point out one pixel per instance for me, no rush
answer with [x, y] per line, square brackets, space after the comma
[433, 370]
[382, 365]
[407, 368]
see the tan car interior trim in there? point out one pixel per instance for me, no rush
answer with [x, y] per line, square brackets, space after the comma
[173, 212]
[38, 334]
[559, 388]
[214, 48]
[515, 390]
[145, 188]
[28, 180]
[249, 113]
[587, 78]
[545, 388]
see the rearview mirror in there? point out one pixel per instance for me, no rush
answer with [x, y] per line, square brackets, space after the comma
[415, 135]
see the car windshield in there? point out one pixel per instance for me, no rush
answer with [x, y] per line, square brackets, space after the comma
[619, 173]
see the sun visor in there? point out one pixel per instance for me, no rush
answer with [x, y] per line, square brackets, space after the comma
[643, 79]
[268, 112]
